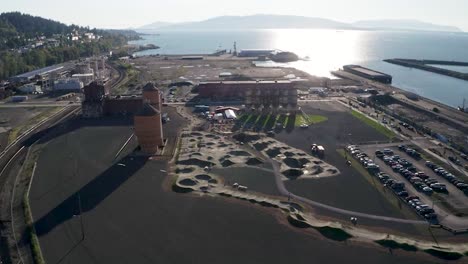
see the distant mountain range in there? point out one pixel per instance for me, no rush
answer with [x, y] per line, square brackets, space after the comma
[404, 24]
[286, 21]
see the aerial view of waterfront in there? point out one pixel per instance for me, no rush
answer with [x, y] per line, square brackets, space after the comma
[329, 50]
[315, 132]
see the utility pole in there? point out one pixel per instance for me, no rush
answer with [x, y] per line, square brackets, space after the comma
[81, 218]
[75, 173]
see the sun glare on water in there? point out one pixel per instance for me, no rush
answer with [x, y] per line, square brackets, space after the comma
[325, 49]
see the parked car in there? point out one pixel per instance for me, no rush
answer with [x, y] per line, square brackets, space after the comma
[426, 211]
[389, 182]
[419, 185]
[430, 181]
[351, 147]
[422, 207]
[439, 187]
[406, 163]
[379, 154]
[383, 178]
[421, 175]
[403, 194]
[415, 203]
[430, 164]
[412, 197]
[415, 179]
[427, 190]
[387, 159]
[398, 185]
[388, 152]
[430, 216]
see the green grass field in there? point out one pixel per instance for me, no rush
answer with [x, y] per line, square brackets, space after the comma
[380, 128]
[309, 119]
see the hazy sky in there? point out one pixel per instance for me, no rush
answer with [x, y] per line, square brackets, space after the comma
[134, 13]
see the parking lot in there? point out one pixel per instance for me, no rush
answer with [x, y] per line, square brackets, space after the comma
[398, 167]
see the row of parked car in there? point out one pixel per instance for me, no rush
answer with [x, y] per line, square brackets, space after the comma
[398, 187]
[418, 179]
[363, 158]
[460, 184]
[412, 152]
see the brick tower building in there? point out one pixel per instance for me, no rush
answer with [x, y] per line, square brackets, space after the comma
[148, 129]
[152, 95]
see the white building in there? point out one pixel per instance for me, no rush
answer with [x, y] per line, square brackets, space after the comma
[68, 84]
[30, 88]
[89, 36]
[85, 78]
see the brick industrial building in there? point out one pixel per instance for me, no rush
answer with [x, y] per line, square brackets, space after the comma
[148, 120]
[253, 93]
[146, 110]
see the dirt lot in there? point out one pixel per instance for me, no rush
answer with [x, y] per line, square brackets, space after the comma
[174, 69]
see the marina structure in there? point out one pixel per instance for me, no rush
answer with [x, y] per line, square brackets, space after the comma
[368, 73]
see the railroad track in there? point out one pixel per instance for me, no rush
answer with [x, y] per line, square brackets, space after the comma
[120, 79]
[8, 157]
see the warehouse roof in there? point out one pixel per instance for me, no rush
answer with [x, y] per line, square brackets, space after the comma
[45, 70]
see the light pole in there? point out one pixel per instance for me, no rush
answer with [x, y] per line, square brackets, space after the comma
[75, 173]
[81, 218]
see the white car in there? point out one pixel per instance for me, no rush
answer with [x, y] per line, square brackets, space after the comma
[427, 190]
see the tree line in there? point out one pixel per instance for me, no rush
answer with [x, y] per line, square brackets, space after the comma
[13, 63]
[17, 28]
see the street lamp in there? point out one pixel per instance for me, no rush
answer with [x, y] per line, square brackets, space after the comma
[80, 215]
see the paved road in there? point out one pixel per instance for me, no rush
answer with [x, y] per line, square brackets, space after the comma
[282, 189]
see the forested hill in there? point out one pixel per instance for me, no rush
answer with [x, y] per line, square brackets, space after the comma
[31, 25]
[29, 42]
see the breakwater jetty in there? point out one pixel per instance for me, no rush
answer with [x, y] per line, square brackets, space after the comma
[425, 65]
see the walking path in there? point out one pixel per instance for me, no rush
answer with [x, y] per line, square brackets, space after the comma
[282, 189]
